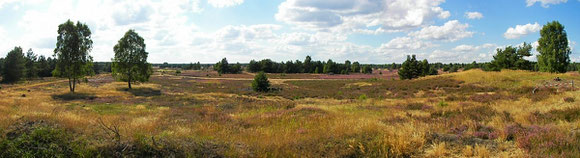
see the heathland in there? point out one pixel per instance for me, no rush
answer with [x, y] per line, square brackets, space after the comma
[198, 113]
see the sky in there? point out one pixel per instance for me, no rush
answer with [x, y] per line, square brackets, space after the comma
[368, 31]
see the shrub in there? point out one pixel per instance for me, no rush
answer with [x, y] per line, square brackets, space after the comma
[442, 104]
[261, 83]
[362, 97]
[42, 142]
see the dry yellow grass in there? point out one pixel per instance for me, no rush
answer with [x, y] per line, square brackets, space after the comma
[274, 126]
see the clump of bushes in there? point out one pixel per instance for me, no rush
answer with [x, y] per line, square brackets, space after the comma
[261, 83]
[362, 97]
[442, 104]
[42, 141]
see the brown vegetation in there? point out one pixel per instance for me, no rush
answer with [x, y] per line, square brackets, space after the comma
[454, 115]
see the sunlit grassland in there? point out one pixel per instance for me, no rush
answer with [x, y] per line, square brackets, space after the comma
[472, 113]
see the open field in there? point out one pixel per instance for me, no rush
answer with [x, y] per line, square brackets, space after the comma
[201, 114]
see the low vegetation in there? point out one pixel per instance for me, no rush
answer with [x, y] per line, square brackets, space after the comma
[457, 115]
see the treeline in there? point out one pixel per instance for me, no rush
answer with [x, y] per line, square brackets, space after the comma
[307, 66]
[18, 65]
[190, 66]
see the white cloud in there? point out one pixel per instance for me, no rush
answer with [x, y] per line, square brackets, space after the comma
[545, 3]
[465, 48]
[224, 3]
[4, 2]
[464, 54]
[246, 33]
[450, 31]
[162, 24]
[521, 30]
[131, 13]
[359, 15]
[473, 15]
[405, 43]
[472, 48]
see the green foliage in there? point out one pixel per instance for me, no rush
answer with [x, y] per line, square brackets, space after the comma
[31, 64]
[130, 62]
[43, 142]
[347, 67]
[553, 48]
[261, 83]
[297, 66]
[193, 66]
[355, 67]
[454, 68]
[367, 69]
[308, 65]
[362, 97]
[442, 104]
[1, 65]
[330, 67]
[473, 65]
[223, 67]
[14, 66]
[73, 45]
[512, 58]
[446, 68]
[412, 68]
[45, 66]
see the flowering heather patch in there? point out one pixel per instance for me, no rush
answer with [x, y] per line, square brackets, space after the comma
[485, 132]
[544, 140]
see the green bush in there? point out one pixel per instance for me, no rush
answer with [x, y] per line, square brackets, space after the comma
[442, 104]
[261, 83]
[362, 97]
[42, 142]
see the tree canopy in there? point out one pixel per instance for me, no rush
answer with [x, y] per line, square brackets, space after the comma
[261, 83]
[14, 66]
[73, 45]
[130, 61]
[223, 67]
[412, 68]
[31, 67]
[553, 48]
[512, 58]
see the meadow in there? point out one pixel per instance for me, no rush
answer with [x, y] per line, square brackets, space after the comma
[202, 114]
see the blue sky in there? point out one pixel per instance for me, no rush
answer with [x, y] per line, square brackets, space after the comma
[370, 31]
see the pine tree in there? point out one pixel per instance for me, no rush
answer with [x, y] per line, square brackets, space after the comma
[14, 66]
[261, 83]
[31, 67]
[553, 48]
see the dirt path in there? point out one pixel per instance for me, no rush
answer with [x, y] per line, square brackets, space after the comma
[31, 85]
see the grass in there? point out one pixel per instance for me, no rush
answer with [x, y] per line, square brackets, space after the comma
[450, 115]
